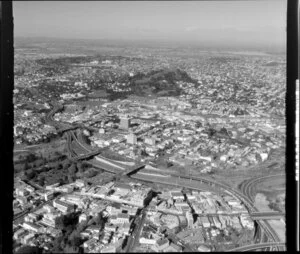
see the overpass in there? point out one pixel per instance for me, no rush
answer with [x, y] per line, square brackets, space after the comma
[88, 155]
[64, 129]
[74, 127]
[258, 246]
[133, 169]
[267, 215]
[127, 172]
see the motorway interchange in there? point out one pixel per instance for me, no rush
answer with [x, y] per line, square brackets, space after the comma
[265, 238]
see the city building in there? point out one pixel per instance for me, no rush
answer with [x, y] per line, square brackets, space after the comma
[161, 245]
[150, 141]
[124, 123]
[63, 206]
[190, 219]
[31, 226]
[131, 138]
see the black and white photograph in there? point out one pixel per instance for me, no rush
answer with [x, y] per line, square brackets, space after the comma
[149, 126]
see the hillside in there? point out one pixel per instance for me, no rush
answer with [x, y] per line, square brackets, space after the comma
[161, 82]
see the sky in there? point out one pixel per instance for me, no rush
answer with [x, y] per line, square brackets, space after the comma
[260, 22]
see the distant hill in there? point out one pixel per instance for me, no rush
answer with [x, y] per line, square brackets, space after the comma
[161, 82]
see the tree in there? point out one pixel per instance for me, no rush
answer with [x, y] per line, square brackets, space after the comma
[39, 163]
[57, 154]
[71, 178]
[80, 167]
[57, 244]
[60, 222]
[67, 222]
[25, 166]
[85, 165]
[72, 170]
[66, 164]
[57, 166]
[44, 160]
[169, 164]
[65, 179]
[30, 174]
[31, 157]
[41, 181]
[81, 170]
[224, 131]
[91, 173]
[76, 241]
[29, 250]
[70, 249]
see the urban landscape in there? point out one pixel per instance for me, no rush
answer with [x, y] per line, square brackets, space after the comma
[147, 148]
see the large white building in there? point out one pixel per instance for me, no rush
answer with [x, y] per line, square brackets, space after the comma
[131, 138]
[124, 123]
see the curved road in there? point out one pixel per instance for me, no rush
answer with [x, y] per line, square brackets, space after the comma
[258, 246]
[248, 189]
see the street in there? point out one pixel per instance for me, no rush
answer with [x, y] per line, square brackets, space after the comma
[134, 238]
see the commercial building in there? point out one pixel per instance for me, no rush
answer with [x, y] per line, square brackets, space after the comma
[19, 233]
[63, 206]
[31, 227]
[82, 217]
[124, 123]
[27, 238]
[48, 195]
[161, 245]
[205, 222]
[150, 141]
[131, 138]
[190, 219]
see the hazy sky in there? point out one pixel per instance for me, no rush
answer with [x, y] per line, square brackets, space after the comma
[260, 22]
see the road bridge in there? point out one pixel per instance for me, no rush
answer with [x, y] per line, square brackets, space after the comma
[267, 215]
[64, 129]
[127, 172]
[88, 155]
[134, 169]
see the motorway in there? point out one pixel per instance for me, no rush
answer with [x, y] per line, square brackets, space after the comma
[248, 187]
[183, 181]
[258, 246]
[267, 215]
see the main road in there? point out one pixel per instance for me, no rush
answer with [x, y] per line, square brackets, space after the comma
[259, 246]
[135, 236]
